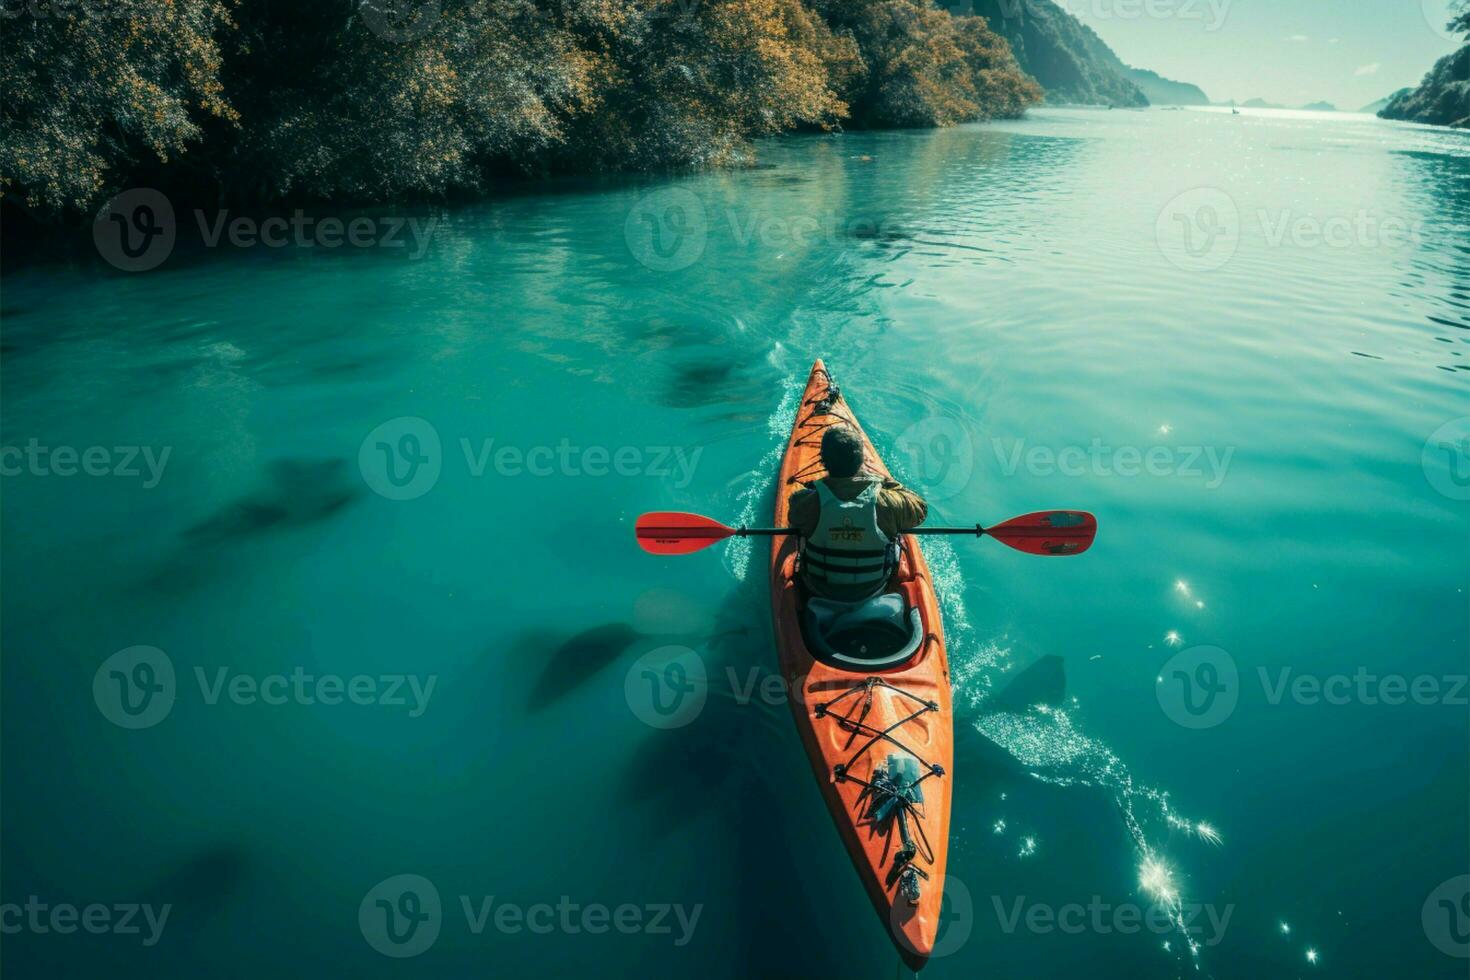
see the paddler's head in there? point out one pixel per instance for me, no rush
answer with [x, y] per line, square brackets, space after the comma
[842, 451]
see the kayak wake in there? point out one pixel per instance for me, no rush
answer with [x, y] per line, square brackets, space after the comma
[751, 497]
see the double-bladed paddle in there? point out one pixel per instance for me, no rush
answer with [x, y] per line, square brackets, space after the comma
[1046, 532]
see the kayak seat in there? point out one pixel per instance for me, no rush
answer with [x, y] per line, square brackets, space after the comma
[883, 631]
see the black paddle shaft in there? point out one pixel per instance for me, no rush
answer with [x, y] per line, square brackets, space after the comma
[773, 532]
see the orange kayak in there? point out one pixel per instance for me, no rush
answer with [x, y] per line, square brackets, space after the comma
[873, 712]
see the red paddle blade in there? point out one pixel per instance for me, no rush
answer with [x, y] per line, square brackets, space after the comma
[668, 532]
[1048, 532]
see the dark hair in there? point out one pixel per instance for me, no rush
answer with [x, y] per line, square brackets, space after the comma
[842, 451]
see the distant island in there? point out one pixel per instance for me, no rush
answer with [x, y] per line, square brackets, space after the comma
[1263, 104]
[1166, 91]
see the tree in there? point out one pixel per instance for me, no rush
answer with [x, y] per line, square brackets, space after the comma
[252, 102]
[925, 67]
[379, 117]
[88, 93]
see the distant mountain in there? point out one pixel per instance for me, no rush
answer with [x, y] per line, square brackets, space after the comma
[1376, 107]
[1165, 91]
[1443, 98]
[1066, 56]
[1263, 104]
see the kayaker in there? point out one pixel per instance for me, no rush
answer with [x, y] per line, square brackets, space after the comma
[850, 522]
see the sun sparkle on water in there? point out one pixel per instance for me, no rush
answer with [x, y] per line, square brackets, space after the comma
[1157, 879]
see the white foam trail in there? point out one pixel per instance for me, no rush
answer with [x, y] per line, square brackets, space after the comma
[752, 495]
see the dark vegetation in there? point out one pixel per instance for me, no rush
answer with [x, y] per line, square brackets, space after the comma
[1443, 98]
[250, 103]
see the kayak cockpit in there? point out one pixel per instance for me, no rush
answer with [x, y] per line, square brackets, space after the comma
[884, 631]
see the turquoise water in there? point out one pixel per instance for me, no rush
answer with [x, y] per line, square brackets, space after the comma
[1237, 339]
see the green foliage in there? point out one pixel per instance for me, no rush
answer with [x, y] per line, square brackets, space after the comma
[88, 90]
[369, 100]
[686, 83]
[1442, 99]
[377, 119]
[924, 67]
[1460, 23]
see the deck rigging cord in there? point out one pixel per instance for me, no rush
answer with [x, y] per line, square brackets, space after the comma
[892, 794]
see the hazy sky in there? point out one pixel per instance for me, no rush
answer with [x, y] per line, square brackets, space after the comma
[1348, 52]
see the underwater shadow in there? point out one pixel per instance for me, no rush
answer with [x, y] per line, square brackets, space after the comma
[298, 492]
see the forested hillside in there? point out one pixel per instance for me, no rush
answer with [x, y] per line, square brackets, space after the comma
[254, 102]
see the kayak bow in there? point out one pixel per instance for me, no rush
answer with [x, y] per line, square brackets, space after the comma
[880, 738]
